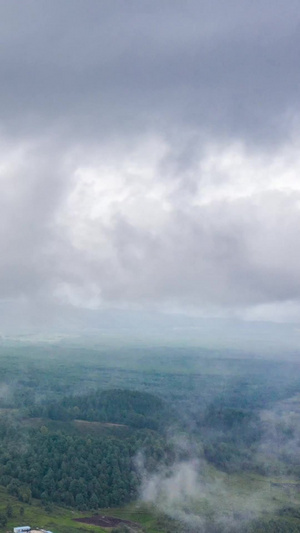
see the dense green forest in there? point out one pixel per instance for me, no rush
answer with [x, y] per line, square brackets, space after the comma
[87, 436]
[133, 408]
[73, 470]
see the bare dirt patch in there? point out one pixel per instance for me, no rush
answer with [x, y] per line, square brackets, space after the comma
[91, 423]
[106, 521]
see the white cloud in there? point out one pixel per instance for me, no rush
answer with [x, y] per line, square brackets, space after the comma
[142, 235]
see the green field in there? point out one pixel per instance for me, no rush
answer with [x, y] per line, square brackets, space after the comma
[230, 494]
[61, 520]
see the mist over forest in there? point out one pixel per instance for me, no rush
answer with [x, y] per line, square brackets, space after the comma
[162, 438]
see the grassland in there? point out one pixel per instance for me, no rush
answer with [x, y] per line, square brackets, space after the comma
[61, 520]
[237, 494]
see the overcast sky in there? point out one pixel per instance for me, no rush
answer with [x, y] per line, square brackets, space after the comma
[150, 155]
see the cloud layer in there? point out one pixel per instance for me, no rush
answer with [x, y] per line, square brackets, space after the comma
[149, 155]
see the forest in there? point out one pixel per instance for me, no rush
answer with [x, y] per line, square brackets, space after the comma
[89, 436]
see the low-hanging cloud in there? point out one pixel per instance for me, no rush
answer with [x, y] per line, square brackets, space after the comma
[201, 500]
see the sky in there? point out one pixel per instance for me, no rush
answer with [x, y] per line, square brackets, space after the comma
[150, 156]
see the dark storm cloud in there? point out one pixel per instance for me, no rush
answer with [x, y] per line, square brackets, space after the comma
[96, 66]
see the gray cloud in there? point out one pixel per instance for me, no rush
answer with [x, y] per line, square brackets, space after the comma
[227, 69]
[225, 254]
[147, 151]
